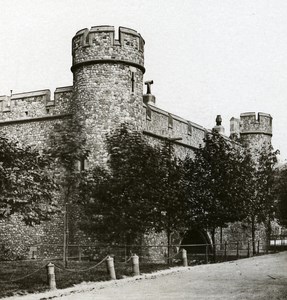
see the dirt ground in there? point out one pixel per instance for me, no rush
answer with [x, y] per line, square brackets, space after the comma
[263, 277]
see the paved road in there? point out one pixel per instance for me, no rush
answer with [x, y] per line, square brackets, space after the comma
[263, 278]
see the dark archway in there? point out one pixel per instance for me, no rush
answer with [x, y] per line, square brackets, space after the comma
[194, 241]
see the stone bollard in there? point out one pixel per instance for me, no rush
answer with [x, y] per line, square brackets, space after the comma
[51, 276]
[184, 258]
[111, 267]
[135, 265]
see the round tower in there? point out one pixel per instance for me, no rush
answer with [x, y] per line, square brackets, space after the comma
[256, 133]
[108, 83]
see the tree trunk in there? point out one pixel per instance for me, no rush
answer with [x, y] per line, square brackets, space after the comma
[253, 234]
[214, 245]
[268, 234]
[168, 246]
[221, 239]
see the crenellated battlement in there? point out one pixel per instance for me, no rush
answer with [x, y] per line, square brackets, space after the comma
[99, 43]
[86, 37]
[249, 124]
[35, 104]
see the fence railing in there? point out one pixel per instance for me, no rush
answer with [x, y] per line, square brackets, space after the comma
[91, 262]
[196, 253]
[278, 241]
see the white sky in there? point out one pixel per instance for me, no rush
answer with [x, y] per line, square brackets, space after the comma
[206, 57]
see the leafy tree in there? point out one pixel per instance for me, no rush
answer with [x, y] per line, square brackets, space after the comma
[26, 183]
[261, 208]
[218, 183]
[66, 147]
[138, 193]
[171, 208]
[118, 200]
[281, 195]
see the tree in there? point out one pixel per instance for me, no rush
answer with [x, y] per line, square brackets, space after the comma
[171, 209]
[66, 147]
[218, 183]
[27, 185]
[281, 195]
[138, 193]
[261, 208]
[117, 202]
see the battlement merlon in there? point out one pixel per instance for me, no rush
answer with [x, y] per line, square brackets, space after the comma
[98, 45]
[249, 124]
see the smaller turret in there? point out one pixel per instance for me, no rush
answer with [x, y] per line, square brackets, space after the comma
[250, 125]
[253, 132]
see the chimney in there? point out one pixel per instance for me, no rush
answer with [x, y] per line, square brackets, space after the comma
[218, 127]
[148, 98]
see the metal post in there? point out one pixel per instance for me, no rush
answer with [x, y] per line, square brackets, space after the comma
[258, 247]
[169, 259]
[51, 276]
[206, 253]
[64, 239]
[225, 251]
[184, 258]
[248, 249]
[135, 265]
[111, 267]
[80, 253]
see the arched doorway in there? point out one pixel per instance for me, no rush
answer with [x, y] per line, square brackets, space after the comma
[194, 241]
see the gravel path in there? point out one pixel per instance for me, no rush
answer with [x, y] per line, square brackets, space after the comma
[263, 278]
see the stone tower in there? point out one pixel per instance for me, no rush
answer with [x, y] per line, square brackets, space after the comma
[256, 133]
[108, 83]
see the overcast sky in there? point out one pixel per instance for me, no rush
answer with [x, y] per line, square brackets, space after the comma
[206, 57]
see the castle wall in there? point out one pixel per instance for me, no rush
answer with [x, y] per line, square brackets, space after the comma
[35, 104]
[107, 91]
[29, 118]
[160, 125]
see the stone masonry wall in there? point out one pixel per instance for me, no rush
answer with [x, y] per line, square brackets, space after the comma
[159, 125]
[29, 118]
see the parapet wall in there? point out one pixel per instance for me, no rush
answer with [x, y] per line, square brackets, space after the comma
[99, 43]
[249, 124]
[161, 125]
[35, 104]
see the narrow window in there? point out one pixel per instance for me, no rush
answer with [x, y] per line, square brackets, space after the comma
[81, 164]
[133, 81]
